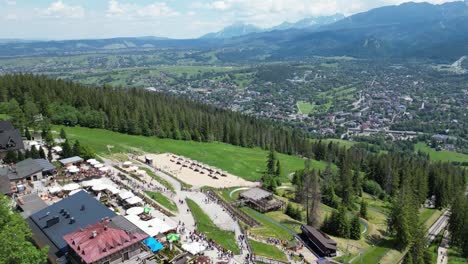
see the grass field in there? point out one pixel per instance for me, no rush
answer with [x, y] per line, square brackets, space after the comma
[454, 256]
[343, 143]
[267, 228]
[443, 155]
[206, 226]
[429, 216]
[248, 163]
[305, 107]
[269, 251]
[163, 200]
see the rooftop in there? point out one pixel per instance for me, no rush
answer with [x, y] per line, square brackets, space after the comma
[71, 160]
[324, 240]
[256, 194]
[10, 138]
[26, 168]
[97, 241]
[30, 204]
[66, 216]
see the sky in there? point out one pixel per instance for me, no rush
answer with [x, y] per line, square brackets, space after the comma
[81, 19]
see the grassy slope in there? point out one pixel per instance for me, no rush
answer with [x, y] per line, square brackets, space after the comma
[206, 226]
[441, 155]
[244, 162]
[163, 200]
[269, 251]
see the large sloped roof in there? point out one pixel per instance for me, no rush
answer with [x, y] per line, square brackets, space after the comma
[256, 194]
[83, 207]
[10, 139]
[97, 241]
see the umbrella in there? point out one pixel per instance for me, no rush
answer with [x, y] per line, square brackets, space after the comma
[173, 237]
[124, 194]
[71, 186]
[99, 187]
[153, 244]
[135, 210]
[98, 165]
[92, 182]
[113, 189]
[127, 163]
[103, 169]
[55, 189]
[147, 210]
[194, 248]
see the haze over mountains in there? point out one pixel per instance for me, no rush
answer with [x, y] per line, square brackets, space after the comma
[241, 29]
[420, 30]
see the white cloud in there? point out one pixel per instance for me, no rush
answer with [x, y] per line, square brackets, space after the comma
[114, 8]
[156, 10]
[220, 5]
[60, 10]
[10, 2]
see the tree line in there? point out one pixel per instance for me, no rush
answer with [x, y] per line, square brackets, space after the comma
[24, 97]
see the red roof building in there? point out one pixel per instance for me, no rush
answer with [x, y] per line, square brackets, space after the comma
[100, 243]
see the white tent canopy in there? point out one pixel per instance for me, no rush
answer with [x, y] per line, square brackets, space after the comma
[194, 247]
[74, 170]
[140, 172]
[73, 167]
[135, 210]
[127, 163]
[91, 161]
[91, 182]
[57, 149]
[124, 194]
[98, 165]
[75, 191]
[133, 168]
[99, 187]
[134, 200]
[103, 169]
[71, 187]
[55, 189]
[151, 227]
[112, 189]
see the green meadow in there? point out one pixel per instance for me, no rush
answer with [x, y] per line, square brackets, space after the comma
[248, 163]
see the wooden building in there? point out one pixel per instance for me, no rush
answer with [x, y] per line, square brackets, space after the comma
[318, 241]
[261, 200]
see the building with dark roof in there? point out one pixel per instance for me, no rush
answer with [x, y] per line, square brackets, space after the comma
[10, 138]
[100, 243]
[70, 161]
[28, 169]
[261, 200]
[319, 242]
[50, 224]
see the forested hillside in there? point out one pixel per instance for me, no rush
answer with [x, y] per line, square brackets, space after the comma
[138, 112]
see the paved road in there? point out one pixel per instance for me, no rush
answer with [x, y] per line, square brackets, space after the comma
[442, 257]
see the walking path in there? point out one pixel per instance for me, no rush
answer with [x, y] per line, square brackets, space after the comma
[442, 256]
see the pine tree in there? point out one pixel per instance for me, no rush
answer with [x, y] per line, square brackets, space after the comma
[76, 149]
[66, 149]
[42, 154]
[346, 185]
[27, 134]
[63, 135]
[355, 229]
[271, 162]
[278, 169]
[11, 157]
[20, 156]
[49, 155]
[34, 152]
[363, 209]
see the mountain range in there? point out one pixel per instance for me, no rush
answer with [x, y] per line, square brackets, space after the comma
[409, 30]
[241, 29]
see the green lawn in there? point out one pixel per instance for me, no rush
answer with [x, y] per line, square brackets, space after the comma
[429, 216]
[248, 163]
[343, 143]
[266, 250]
[375, 254]
[267, 228]
[163, 200]
[305, 107]
[206, 226]
[443, 155]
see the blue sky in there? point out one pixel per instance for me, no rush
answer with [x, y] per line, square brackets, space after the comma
[77, 19]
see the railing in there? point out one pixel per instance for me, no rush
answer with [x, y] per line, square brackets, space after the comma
[237, 213]
[268, 260]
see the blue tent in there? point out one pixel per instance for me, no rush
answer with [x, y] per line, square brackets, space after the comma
[153, 244]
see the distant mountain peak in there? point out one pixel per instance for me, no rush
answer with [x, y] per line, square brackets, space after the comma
[241, 29]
